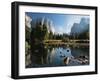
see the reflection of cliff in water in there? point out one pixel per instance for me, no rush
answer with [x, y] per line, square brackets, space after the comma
[76, 52]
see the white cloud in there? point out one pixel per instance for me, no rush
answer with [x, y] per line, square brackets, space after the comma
[59, 30]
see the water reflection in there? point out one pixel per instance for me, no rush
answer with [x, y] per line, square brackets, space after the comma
[51, 56]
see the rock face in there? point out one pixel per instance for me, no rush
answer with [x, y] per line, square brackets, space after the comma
[81, 27]
[28, 21]
[43, 21]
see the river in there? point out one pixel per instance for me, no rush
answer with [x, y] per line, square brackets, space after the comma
[53, 56]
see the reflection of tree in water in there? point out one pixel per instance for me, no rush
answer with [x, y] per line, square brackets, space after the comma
[38, 34]
[39, 54]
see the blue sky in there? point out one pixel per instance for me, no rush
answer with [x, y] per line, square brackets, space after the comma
[62, 23]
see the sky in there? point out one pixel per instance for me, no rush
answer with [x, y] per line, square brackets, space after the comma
[62, 23]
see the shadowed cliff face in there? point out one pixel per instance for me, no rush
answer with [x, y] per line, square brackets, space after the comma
[81, 27]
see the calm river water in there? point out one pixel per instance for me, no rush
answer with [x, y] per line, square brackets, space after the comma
[52, 56]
